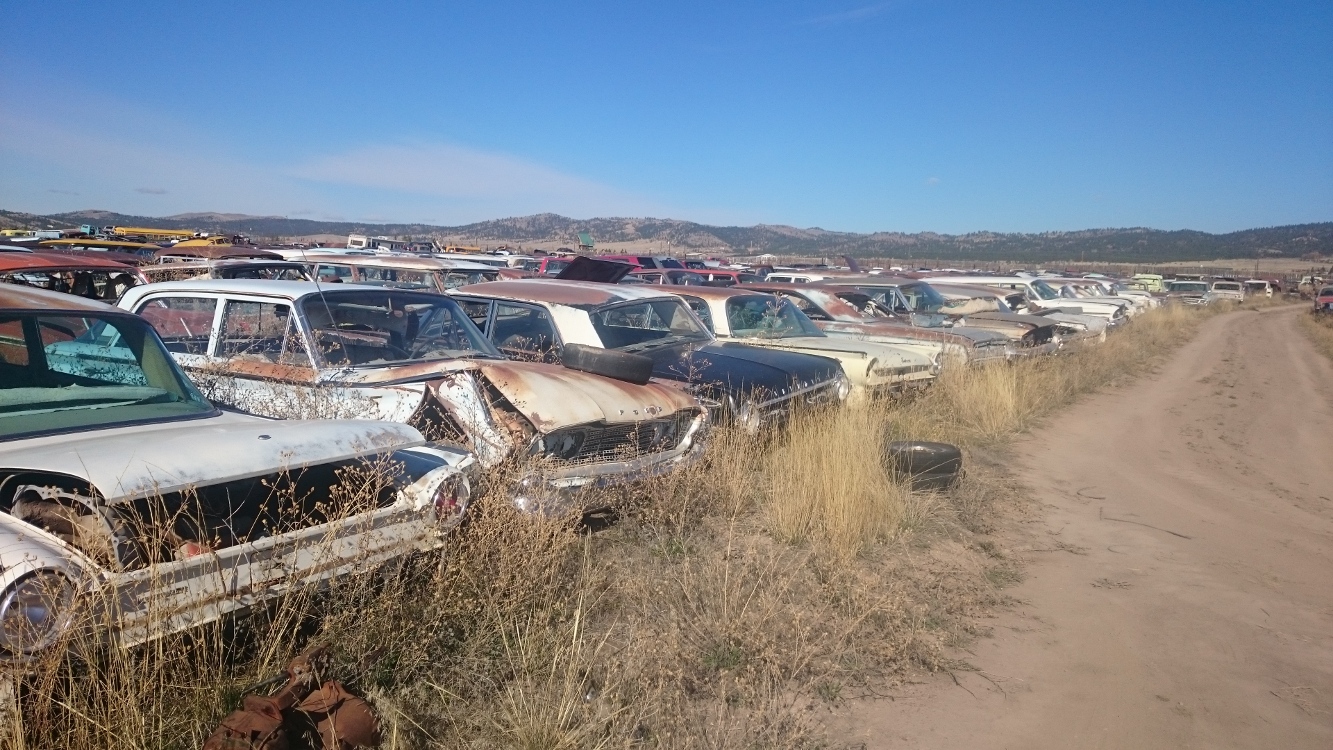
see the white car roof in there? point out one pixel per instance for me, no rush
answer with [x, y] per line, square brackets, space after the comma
[559, 292]
[259, 287]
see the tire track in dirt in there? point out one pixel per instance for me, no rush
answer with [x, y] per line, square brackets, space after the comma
[1197, 608]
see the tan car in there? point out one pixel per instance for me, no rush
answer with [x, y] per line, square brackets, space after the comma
[770, 321]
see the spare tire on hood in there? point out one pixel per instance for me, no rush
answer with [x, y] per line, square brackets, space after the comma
[631, 368]
[928, 465]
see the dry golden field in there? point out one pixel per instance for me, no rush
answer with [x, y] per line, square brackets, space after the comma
[715, 609]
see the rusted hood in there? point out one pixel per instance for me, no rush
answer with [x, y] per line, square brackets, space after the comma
[130, 462]
[552, 396]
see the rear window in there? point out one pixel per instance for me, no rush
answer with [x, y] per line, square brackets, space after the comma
[645, 325]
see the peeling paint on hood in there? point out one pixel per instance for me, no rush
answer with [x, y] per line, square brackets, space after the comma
[552, 396]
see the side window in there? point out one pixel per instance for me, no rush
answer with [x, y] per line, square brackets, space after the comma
[524, 332]
[700, 308]
[13, 344]
[184, 323]
[477, 310]
[261, 332]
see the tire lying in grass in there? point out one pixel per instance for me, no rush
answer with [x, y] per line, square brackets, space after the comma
[631, 368]
[930, 466]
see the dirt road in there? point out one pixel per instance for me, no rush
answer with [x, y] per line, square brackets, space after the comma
[1180, 586]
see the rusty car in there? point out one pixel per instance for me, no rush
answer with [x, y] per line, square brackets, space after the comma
[81, 276]
[127, 497]
[1039, 295]
[754, 387]
[918, 303]
[849, 313]
[981, 305]
[1323, 301]
[281, 348]
[768, 320]
[188, 252]
[437, 274]
[235, 268]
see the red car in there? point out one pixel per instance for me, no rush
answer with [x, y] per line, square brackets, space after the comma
[1323, 302]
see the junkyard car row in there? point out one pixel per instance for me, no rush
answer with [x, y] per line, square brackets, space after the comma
[241, 422]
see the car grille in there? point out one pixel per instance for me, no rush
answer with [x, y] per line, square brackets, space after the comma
[777, 410]
[606, 443]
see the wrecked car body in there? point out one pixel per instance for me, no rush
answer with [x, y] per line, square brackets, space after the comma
[400, 271]
[751, 386]
[295, 349]
[838, 317]
[919, 304]
[128, 499]
[980, 304]
[767, 320]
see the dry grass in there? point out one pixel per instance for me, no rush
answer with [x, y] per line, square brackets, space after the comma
[724, 601]
[1319, 329]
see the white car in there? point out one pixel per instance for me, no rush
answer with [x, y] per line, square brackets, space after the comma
[767, 320]
[1041, 296]
[127, 498]
[350, 351]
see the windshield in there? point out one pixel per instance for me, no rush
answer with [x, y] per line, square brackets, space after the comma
[646, 325]
[1044, 290]
[767, 317]
[62, 373]
[922, 298]
[386, 326]
[1187, 286]
[1227, 286]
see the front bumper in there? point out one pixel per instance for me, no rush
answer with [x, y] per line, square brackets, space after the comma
[552, 490]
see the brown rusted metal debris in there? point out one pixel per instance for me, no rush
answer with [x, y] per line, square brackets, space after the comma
[326, 713]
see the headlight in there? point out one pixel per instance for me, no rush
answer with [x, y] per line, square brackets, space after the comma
[747, 417]
[937, 363]
[451, 498]
[34, 611]
[844, 386]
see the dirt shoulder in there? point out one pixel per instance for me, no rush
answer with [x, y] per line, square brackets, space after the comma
[1179, 588]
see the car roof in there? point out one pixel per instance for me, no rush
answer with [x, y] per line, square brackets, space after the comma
[40, 261]
[960, 279]
[558, 292]
[412, 262]
[720, 292]
[22, 297]
[216, 252]
[260, 287]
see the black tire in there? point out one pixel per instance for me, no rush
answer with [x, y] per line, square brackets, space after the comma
[928, 465]
[631, 368]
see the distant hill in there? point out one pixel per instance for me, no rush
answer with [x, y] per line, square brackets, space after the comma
[1112, 245]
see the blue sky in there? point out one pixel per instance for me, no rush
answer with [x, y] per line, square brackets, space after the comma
[949, 116]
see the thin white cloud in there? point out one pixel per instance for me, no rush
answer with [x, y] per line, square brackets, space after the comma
[397, 182]
[848, 16]
[933, 181]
